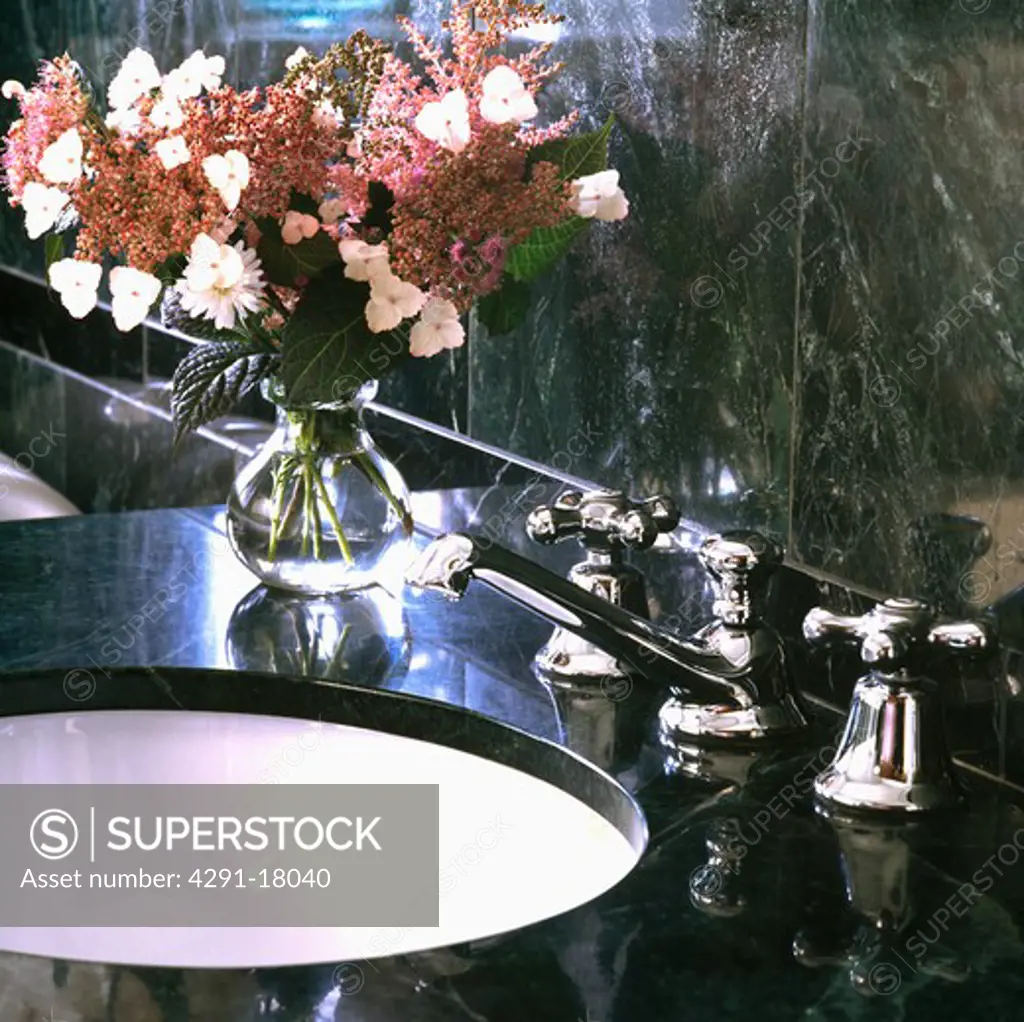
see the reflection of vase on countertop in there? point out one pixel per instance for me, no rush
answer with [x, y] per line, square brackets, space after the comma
[363, 638]
[319, 509]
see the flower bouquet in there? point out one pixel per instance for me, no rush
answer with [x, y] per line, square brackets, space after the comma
[312, 235]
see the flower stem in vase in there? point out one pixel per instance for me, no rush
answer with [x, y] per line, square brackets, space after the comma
[367, 467]
[339, 532]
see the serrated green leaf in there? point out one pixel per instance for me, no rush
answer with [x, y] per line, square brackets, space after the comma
[578, 155]
[545, 247]
[503, 310]
[328, 350]
[285, 264]
[211, 379]
[54, 251]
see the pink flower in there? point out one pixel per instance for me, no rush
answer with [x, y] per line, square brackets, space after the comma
[363, 262]
[391, 301]
[298, 226]
[437, 330]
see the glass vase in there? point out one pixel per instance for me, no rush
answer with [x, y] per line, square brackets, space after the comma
[319, 509]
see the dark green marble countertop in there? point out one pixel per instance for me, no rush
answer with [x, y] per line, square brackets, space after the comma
[743, 905]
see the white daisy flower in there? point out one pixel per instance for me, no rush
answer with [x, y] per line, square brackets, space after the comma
[222, 283]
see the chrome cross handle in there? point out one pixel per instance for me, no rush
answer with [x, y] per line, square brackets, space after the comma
[893, 756]
[603, 520]
[890, 632]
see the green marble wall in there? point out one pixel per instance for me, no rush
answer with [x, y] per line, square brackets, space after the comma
[810, 321]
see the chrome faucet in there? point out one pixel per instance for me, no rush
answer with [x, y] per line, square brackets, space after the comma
[893, 756]
[729, 681]
[607, 523]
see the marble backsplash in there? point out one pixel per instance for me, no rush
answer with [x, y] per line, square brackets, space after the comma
[808, 322]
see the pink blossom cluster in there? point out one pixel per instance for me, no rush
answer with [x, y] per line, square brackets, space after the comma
[181, 175]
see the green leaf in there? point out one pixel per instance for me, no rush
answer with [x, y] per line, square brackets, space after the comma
[545, 247]
[328, 350]
[171, 270]
[284, 264]
[211, 379]
[578, 155]
[503, 310]
[54, 250]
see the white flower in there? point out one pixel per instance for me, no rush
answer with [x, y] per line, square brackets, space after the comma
[42, 207]
[599, 196]
[298, 226]
[327, 117]
[446, 122]
[173, 152]
[363, 262]
[167, 113]
[296, 58]
[439, 328]
[229, 174]
[213, 264]
[76, 281]
[332, 211]
[391, 301]
[196, 73]
[505, 98]
[127, 120]
[134, 293]
[221, 282]
[62, 162]
[138, 76]
[12, 89]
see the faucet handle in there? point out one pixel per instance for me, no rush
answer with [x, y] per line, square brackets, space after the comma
[890, 631]
[740, 562]
[605, 520]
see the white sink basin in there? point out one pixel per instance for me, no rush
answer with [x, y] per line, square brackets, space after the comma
[553, 853]
[24, 495]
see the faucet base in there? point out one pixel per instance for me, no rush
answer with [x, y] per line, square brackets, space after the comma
[893, 756]
[679, 722]
[567, 661]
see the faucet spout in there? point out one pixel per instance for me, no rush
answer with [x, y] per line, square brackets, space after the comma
[728, 681]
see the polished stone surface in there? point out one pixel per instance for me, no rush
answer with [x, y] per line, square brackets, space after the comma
[808, 322]
[745, 902]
